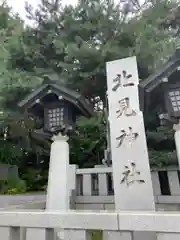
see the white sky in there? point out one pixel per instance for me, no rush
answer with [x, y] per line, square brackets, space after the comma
[18, 5]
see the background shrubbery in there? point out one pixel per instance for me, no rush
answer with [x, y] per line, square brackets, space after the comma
[73, 43]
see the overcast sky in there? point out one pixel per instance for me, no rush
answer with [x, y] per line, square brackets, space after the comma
[18, 5]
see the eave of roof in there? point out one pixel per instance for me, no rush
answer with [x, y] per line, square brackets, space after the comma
[81, 101]
[155, 79]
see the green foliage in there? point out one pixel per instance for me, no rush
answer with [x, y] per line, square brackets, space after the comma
[10, 153]
[13, 186]
[88, 145]
[96, 235]
[75, 42]
[35, 179]
[160, 139]
[163, 158]
[18, 187]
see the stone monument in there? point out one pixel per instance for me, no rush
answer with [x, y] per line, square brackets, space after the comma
[131, 171]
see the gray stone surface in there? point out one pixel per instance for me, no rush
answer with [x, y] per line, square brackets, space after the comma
[8, 171]
[11, 200]
[130, 162]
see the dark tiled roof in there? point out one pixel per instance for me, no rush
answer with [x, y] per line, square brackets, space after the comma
[77, 98]
[155, 79]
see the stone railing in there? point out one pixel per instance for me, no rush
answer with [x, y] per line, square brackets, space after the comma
[79, 225]
[94, 187]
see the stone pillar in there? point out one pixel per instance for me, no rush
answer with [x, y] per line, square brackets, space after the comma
[72, 177]
[58, 189]
[176, 127]
[131, 171]
[72, 186]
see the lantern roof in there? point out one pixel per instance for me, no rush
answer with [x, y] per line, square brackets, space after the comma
[151, 84]
[49, 86]
[155, 79]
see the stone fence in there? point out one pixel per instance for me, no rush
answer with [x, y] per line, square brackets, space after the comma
[94, 187]
[79, 225]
